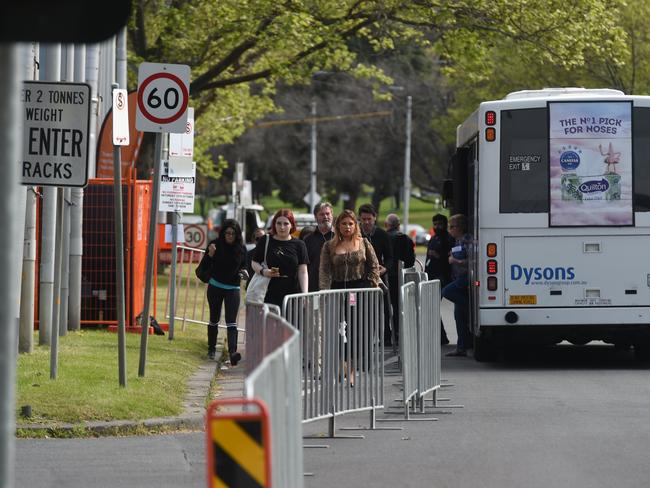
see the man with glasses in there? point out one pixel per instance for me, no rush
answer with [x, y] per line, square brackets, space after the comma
[437, 264]
[458, 290]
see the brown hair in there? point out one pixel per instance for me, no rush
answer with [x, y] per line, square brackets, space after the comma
[344, 215]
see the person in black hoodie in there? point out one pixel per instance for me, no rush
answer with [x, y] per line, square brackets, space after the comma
[228, 255]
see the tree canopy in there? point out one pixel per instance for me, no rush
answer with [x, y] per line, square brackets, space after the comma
[241, 51]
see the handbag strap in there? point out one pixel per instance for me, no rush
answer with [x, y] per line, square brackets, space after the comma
[266, 247]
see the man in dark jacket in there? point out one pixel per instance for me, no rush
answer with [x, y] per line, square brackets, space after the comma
[316, 240]
[437, 264]
[402, 251]
[381, 244]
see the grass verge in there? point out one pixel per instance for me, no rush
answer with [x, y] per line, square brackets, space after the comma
[87, 386]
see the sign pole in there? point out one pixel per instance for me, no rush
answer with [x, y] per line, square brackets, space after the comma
[119, 258]
[172, 275]
[153, 224]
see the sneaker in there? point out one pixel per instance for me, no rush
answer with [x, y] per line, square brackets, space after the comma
[211, 354]
[235, 357]
[457, 353]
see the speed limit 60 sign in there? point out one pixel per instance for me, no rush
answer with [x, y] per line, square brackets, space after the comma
[163, 96]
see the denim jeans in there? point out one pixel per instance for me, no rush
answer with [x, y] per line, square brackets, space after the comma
[457, 292]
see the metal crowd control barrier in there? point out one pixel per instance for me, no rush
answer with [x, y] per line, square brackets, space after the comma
[420, 342]
[276, 381]
[191, 302]
[409, 343]
[342, 357]
[429, 354]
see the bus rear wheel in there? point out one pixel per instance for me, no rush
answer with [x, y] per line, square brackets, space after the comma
[485, 348]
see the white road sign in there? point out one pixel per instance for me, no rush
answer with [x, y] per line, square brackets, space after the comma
[163, 96]
[183, 144]
[196, 235]
[176, 193]
[56, 122]
[120, 118]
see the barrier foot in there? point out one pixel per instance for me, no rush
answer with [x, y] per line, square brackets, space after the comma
[431, 419]
[435, 404]
[314, 446]
[308, 474]
[407, 417]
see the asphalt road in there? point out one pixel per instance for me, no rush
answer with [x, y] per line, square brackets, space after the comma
[565, 416]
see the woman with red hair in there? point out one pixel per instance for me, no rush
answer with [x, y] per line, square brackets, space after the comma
[286, 259]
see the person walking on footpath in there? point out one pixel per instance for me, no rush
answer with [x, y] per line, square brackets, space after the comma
[348, 261]
[458, 290]
[316, 240]
[228, 255]
[384, 252]
[437, 264]
[403, 250]
[286, 259]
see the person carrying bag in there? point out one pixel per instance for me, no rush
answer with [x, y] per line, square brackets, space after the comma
[259, 283]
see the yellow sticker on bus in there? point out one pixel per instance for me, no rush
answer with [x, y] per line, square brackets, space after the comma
[523, 300]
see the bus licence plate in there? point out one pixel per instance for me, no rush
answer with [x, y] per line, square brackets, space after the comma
[523, 299]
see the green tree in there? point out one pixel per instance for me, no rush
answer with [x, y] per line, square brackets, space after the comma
[239, 50]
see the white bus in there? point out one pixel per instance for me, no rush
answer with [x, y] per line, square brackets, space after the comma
[556, 187]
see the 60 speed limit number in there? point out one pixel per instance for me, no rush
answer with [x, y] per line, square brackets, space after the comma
[163, 97]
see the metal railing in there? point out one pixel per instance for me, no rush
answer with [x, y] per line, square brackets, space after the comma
[342, 356]
[275, 380]
[420, 350]
[430, 352]
[190, 302]
[409, 342]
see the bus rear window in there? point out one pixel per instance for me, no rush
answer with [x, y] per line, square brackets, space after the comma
[524, 161]
[641, 158]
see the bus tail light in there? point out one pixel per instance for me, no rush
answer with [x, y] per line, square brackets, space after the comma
[490, 134]
[490, 117]
[492, 250]
[492, 266]
[492, 283]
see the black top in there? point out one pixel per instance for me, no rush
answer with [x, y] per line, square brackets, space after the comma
[227, 262]
[314, 243]
[437, 263]
[381, 243]
[402, 251]
[286, 255]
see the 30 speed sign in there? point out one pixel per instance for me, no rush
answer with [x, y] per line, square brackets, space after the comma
[163, 96]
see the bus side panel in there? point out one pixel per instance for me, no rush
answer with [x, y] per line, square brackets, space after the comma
[576, 271]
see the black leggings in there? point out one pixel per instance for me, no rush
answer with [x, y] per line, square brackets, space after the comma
[216, 296]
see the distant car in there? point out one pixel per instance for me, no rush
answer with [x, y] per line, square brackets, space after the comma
[302, 220]
[216, 216]
[418, 233]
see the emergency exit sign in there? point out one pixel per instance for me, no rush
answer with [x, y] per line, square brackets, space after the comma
[56, 122]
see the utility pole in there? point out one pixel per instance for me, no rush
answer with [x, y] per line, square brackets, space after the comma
[76, 210]
[312, 172]
[50, 71]
[10, 142]
[407, 165]
[26, 335]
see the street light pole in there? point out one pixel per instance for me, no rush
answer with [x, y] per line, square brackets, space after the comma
[407, 165]
[312, 172]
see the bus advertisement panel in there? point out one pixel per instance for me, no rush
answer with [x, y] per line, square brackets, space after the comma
[590, 148]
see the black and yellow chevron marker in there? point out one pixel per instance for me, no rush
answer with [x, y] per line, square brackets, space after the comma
[240, 458]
